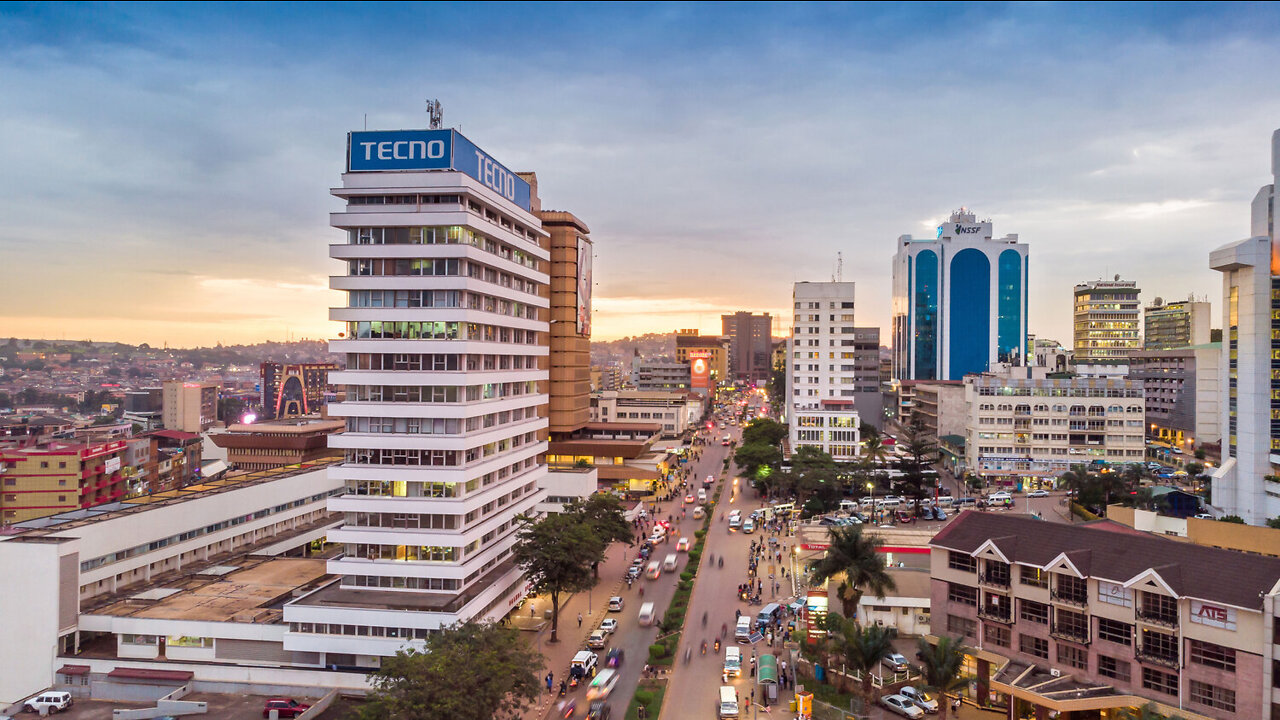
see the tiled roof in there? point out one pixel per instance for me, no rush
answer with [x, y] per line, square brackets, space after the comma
[1206, 573]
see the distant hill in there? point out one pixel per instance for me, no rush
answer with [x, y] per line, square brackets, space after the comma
[650, 346]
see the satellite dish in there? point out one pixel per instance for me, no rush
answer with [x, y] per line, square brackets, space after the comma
[1157, 302]
[1117, 277]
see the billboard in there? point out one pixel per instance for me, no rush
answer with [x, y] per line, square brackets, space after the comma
[584, 286]
[700, 369]
[401, 150]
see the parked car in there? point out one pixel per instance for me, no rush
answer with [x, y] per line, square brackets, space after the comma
[921, 699]
[939, 514]
[895, 662]
[616, 603]
[902, 706]
[1038, 493]
[999, 498]
[284, 707]
[609, 626]
[597, 639]
[905, 516]
[50, 702]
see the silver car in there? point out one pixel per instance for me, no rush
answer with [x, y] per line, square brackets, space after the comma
[921, 699]
[903, 706]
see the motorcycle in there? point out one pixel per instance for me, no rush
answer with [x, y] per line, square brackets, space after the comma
[721, 562]
[569, 708]
[717, 645]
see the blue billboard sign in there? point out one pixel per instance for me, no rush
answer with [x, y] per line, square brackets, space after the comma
[397, 150]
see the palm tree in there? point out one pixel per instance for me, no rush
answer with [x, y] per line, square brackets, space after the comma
[862, 648]
[941, 665]
[857, 558]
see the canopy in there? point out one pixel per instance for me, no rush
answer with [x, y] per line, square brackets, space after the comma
[767, 669]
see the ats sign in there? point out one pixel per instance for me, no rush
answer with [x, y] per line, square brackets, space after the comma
[392, 150]
[1213, 615]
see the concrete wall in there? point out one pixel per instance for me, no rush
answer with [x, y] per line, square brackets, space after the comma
[28, 618]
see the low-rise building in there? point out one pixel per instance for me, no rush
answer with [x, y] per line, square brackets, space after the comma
[662, 376]
[674, 411]
[56, 476]
[940, 409]
[1092, 618]
[275, 443]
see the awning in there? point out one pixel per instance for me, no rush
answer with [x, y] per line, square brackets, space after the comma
[767, 669]
[149, 674]
[73, 670]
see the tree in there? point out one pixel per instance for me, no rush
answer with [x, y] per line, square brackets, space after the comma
[1274, 523]
[752, 456]
[556, 553]
[857, 558]
[1146, 712]
[472, 671]
[1093, 489]
[1232, 519]
[603, 514]
[862, 648]
[941, 665]
[764, 430]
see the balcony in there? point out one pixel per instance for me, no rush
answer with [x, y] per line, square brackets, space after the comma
[998, 580]
[1070, 634]
[1073, 599]
[1159, 658]
[1164, 620]
[1000, 614]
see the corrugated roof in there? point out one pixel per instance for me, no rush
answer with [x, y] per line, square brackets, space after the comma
[1212, 574]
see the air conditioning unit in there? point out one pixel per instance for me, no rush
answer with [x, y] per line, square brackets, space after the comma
[1055, 672]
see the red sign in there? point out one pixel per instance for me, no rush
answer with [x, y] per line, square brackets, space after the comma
[700, 369]
[814, 546]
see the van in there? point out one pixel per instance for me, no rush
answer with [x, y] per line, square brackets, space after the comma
[735, 521]
[848, 506]
[669, 564]
[768, 614]
[728, 702]
[698, 513]
[646, 614]
[749, 526]
[653, 571]
[732, 661]
[742, 633]
[702, 496]
[945, 501]
[783, 509]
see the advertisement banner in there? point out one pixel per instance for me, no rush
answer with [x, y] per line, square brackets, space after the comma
[1203, 613]
[700, 369]
[584, 286]
[112, 465]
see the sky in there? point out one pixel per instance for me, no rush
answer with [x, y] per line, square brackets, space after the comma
[165, 169]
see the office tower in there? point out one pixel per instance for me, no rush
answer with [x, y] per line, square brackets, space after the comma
[294, 389]
[1250, 425]
[189, 406]
[1173, 325]
[750, 346]
[1106, 325]
[445, 386]
[959, 301]
[571, 283]
[822, 373]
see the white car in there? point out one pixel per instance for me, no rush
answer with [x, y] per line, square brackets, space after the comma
[682, 545]
[597, 639]
[609, 626]
[1000, 497]
[48, 702]
[921, 699]
[1038, 493]
[902, 705]
[895, 662]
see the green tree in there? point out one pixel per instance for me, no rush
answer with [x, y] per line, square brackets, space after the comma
[856, 558]
[1232, 519]
[764, 430]
[1093, 489]
[941, 665]
[603, 514]
[472, 671]
[556, 553]
[1274, 523]
[862, 647]
[752, 456]
[1194, 469]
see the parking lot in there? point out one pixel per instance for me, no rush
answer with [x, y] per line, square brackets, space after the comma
[221, 707]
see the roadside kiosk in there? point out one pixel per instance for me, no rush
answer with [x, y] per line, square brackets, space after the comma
[767, 678]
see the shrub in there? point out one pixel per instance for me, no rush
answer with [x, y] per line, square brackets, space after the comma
[686, 575]
[699, 534]
[657, 651]
[694, 555]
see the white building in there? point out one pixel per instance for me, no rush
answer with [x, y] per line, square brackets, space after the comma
[959, 301]
[823, 379]
[674, 411]
[445, 275]
[1250, 366]
[1026, 429]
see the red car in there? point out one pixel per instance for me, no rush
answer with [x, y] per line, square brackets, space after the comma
[284, 707]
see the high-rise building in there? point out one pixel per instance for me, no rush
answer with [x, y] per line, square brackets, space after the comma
[296, 389]
[1242, 484]
[822, 375]
[1106, 323]
[1173, 325]
[570, 337]
[189, 406]
[959, 301]
[750, 346]
[446, 396]
[1183, 399]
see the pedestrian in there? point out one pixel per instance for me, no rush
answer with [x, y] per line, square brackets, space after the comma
[549, 680]
[579, 619]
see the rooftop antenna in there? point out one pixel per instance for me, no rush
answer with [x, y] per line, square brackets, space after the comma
[838, 276]
[435, 111]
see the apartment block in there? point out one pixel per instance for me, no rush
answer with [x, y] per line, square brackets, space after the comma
[190, 406]
[58, 476]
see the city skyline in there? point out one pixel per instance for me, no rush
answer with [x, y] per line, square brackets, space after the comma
[174, 190]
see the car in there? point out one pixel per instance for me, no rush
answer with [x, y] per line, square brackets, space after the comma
[614, 658]
[921, 699]
[1203, 516]
[1038, 493]
[688, 499]
[827, 521]
[599, 711]
[905, 516]
[633, 572]
[939, 514]
[895, 662]
[284, 707]
[584, 662]
[615, 602]
[597, 639]
[49, 702]
[902, 706]
[682, 545]
[999, 497]
[609, 626]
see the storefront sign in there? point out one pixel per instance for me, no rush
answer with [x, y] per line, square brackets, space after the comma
[1213, 615]
[700, 369]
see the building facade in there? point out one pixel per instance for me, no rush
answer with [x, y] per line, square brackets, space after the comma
[1250, 390]
[1026, 431]
[831, 363]
[1176, 324]
[1182, 394]
[272, 444]
[296, 389]
[674, 411]
[712, 348]
[569, 395]
[1106, 323]
[662, 376]
[190, 406]
[56, 476]
[445, 399]
[959, 301]
[1082, 619]
[750, 346]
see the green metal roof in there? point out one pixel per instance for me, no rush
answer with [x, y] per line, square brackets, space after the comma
[767, 669]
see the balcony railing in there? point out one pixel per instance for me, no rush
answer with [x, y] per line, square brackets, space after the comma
[998, 614]
[1069, 598]
[1161, 619]
[1070, 634]
[1158, 658]
[994, 580]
